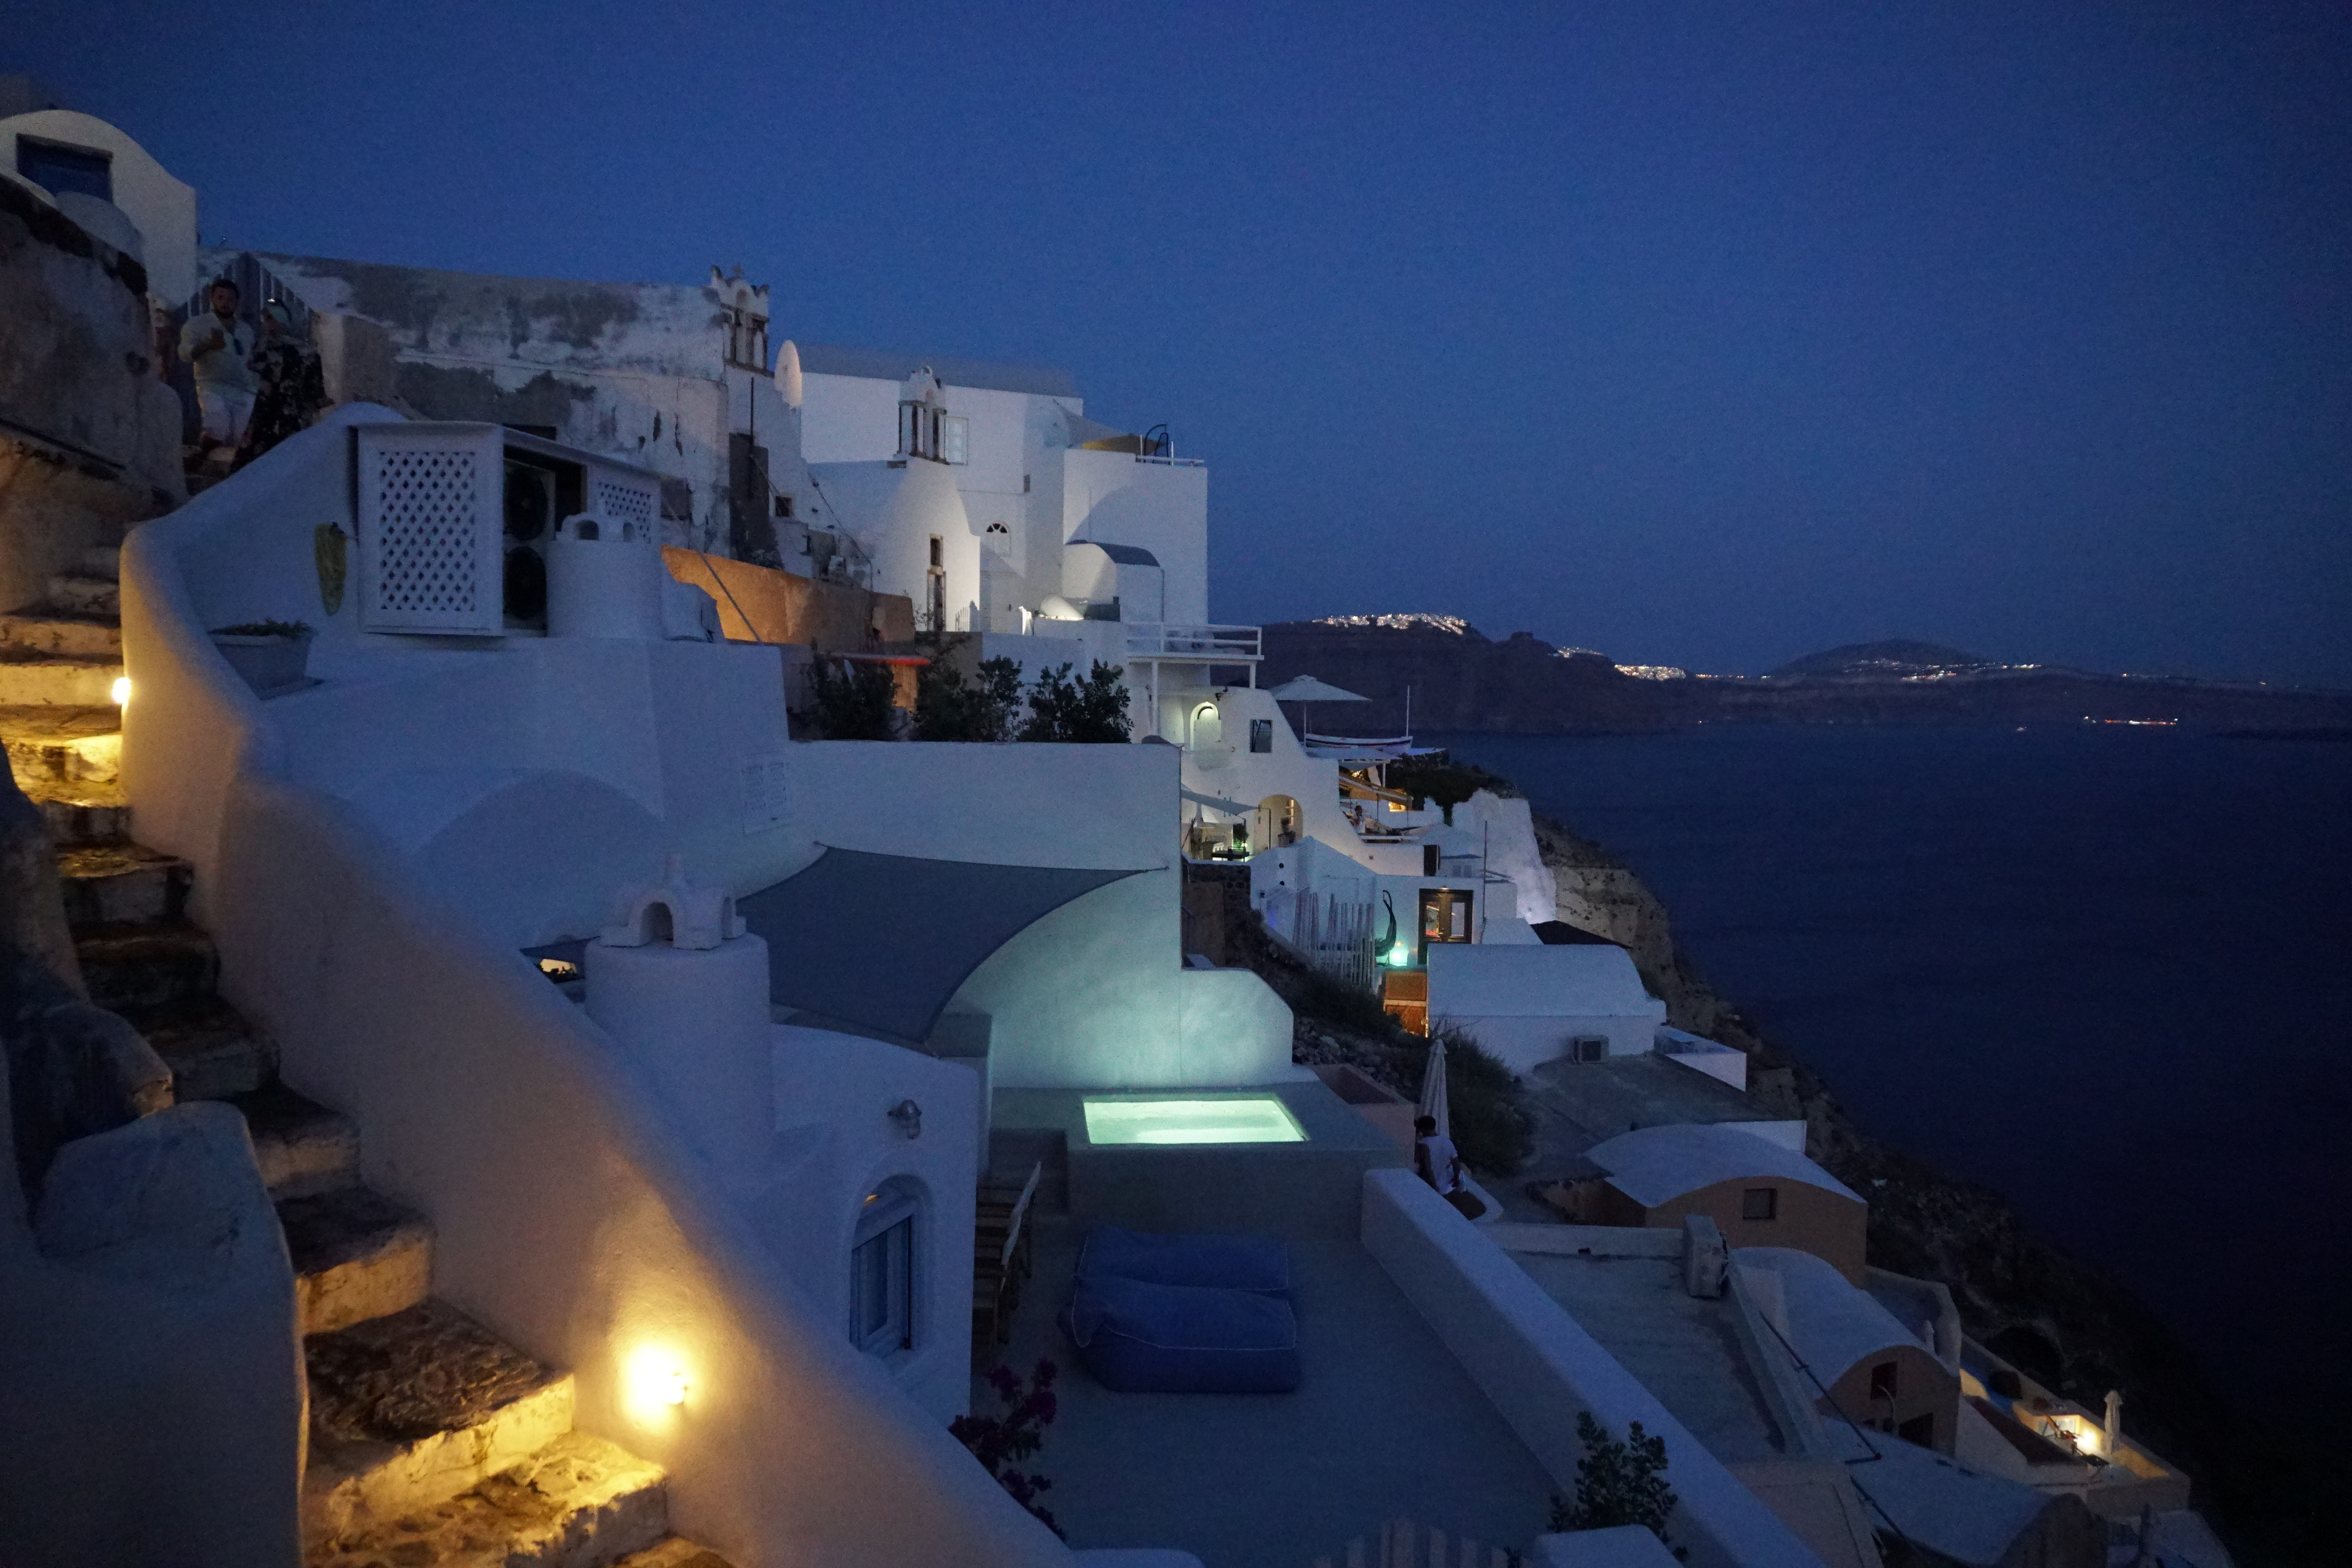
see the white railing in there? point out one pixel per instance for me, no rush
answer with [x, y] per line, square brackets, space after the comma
[1210, 644]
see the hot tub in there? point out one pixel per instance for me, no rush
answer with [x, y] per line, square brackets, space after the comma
[1252, 1119]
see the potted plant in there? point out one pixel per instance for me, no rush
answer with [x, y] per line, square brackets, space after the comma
[270, 654]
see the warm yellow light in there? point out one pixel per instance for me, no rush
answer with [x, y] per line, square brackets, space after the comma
[656, 1383]
[122, 690]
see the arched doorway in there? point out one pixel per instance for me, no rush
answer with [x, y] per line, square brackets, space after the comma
[1275, 824]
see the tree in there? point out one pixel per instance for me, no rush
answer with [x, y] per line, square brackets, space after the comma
[1089, 710]
[948, 708]
[853, 700]
[1618, 1483]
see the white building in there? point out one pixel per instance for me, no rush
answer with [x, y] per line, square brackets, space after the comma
[1528, 1005]
[96, 174]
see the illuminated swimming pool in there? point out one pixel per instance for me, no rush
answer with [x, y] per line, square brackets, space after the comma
[1258, 1119]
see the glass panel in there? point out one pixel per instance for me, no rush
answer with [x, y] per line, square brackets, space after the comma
[954, 442]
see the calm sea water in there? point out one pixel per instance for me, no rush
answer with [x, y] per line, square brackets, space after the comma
[2105, 971]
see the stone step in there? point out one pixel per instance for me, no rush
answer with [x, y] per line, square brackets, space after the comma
[412, 1408]
[357, 1255]
[48, 680]
[578, 1502]
[87, 595]
[79, 814]
[676, 1551]
[122, 883]
[75, 636]
[141, 968]
[302, 1147]
[62, 744]
[213, 1051]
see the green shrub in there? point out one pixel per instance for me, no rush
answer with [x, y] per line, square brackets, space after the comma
[947, 707]
[853, 700]
[1090, 709]
[1492, 1125]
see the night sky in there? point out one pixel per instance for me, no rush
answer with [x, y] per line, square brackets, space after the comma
[1709, 335]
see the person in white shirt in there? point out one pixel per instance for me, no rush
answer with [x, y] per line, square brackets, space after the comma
[1435, 1156]
[218, 347]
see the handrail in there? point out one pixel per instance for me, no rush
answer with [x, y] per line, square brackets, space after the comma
[1231, 644]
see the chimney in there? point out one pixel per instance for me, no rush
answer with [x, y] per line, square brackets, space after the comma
[2114, 1426]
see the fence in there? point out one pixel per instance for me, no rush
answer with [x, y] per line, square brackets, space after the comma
[1336, 938]
[1404, 1544]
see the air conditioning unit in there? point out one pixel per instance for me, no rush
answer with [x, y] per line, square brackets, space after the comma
[455, 521]
[1589, 1047]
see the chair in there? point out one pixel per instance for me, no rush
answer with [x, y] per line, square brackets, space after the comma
[1003, 1254]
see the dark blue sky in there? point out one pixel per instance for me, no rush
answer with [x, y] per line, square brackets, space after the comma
[1710, 335]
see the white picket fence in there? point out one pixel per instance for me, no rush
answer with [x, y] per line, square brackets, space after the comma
[1337, 938]
[1404, 1544]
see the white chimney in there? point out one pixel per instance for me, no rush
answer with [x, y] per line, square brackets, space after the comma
[681, 984]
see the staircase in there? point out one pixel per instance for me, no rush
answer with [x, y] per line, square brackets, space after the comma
[432, 1442]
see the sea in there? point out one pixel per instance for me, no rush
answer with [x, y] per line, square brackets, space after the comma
[2104, 970]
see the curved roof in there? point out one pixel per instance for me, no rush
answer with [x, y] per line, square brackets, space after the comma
[1657, 1165]
[885, 941]
[1125, 555]
[1832, 1325]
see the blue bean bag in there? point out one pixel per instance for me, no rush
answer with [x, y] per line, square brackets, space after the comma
[1233, 1262]
[1141, 1338]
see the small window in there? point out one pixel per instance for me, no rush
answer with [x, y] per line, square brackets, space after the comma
[1760, 1203]
[955, 442]
[58, 168]
[1261, 735]
[783, 505]
[939, 553]
[1882, 1380]
[1430, 855]
[1589, 1047]
[882, 1276]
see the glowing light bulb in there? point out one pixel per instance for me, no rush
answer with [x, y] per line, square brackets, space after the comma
[122, 690]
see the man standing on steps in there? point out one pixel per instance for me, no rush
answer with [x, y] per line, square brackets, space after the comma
[218, 347]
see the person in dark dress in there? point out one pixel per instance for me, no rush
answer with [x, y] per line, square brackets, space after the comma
[292, 388]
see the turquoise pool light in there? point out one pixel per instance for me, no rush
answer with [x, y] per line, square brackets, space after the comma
[1259, 1119]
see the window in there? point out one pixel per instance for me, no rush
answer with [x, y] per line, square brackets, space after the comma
[1261, 735]
[1760, 1203]
[935, 587]
[882, 1275]
[1882, 1381]
[58, 168]
[955, 441]
[1430, 855]
[1589, 1047]
[784, 505]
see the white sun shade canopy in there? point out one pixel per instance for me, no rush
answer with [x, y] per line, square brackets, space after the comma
[1307, 689]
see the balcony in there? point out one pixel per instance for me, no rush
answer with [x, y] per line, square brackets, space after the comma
[1193, 644]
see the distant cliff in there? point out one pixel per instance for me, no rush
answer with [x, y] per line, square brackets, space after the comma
[1458, 679]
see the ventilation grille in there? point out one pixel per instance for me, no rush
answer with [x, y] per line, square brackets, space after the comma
[422, 533]
[632, 503]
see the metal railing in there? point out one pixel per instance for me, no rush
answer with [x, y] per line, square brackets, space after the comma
[1214, 645]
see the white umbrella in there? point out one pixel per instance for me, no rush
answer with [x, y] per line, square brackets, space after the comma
[1432, 1089]
[1305, 689]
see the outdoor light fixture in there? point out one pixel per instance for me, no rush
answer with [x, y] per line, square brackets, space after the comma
[910, 1117]
[657, 1382]
[122, 691]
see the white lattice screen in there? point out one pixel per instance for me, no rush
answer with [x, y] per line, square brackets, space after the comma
[428, 533]
[627, 497]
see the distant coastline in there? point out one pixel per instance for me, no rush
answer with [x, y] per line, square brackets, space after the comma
[1439, 672]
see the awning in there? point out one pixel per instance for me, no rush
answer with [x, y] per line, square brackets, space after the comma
[883, 942]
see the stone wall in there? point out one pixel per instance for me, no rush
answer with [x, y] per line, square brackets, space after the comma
[90, 440]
